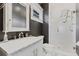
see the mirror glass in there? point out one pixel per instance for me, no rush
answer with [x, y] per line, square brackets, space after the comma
[35, 14]
[18, 15]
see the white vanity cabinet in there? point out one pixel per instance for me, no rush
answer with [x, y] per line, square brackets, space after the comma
[16, 17]
[29, 46]
[34, 49]
[36, 12]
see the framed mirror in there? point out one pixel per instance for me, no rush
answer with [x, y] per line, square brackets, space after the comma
[16, 17]
[36, 12]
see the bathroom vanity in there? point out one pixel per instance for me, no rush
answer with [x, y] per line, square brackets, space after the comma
[17, 16]
[16, 19]
[28, 46]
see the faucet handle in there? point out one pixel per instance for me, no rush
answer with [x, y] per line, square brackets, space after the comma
[19, 35]
[22, 34]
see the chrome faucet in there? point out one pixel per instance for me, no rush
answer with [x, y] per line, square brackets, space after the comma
[21, 35]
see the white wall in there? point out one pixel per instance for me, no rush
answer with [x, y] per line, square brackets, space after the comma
[59, 33]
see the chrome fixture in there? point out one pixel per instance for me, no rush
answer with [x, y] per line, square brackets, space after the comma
[21, 35]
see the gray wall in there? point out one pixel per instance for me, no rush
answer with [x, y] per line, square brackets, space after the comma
[45, 26]
[77, 22]
[1, 19]
[35, 28]
[77, 27]
[1, 24]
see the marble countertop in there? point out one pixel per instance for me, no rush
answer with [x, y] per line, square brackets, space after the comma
[15, 45]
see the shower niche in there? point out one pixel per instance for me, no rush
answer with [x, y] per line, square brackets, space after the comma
[16, 17]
